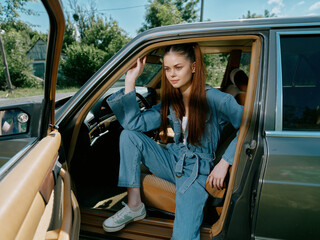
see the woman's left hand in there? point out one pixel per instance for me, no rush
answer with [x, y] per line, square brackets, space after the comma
[133, 73]
[218, 174]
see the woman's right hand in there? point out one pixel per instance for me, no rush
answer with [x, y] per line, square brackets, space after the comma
[218, 174]
[133, 73]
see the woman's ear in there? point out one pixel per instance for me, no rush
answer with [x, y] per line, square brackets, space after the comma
[193, 66]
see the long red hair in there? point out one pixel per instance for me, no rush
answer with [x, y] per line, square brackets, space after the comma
[171, 96]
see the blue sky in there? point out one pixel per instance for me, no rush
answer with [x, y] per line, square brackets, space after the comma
[130, 13]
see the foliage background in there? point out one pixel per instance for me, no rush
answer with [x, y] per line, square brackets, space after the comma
[90, 40]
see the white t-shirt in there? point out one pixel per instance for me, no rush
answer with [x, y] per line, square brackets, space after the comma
[184, 127]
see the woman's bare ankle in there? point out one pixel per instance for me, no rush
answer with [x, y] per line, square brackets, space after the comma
[134, 198]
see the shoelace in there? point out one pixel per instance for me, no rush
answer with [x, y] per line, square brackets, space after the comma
[120, 213]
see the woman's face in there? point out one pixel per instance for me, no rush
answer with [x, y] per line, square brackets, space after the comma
[178, 70]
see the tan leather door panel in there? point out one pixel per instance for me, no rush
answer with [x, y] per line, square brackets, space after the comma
[21, 203]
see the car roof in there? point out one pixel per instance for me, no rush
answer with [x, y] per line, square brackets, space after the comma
[243, 24]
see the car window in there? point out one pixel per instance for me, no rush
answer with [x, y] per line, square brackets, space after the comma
[23, 56]
[24, 50]
[23, 43]
[216, 65]
[149, 72]
[300, 61]
[245, 62]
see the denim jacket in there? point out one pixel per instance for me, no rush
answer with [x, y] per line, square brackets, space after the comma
[222, 107]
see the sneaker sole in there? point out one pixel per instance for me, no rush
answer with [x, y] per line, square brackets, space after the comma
[118, 228]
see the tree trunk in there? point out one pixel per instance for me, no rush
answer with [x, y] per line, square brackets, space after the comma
[5, 65]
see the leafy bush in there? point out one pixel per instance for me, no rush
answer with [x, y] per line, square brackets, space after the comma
[88, 46]
[216, 65]
[80, 63]
[16, 45]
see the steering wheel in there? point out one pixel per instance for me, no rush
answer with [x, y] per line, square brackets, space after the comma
[153, 133]
[143, 100]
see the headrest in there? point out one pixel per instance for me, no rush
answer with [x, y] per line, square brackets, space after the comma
[238, 77]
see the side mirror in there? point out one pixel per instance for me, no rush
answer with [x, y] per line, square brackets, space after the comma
[13, 121]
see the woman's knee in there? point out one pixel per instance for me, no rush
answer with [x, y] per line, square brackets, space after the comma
[128, 135]
[134, 138]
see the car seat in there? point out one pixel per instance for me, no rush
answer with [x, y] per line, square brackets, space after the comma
[238, 88]
[160, 194]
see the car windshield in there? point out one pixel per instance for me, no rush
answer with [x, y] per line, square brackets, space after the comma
[150, 71]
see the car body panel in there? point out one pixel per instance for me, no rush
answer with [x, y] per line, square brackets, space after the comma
[289, 201]
[288, 193]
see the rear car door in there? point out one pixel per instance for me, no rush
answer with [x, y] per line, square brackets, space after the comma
[35, 195]
[290, 181]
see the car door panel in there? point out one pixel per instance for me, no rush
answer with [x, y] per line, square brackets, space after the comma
[21, 204]
[290, 188]
[289, 183]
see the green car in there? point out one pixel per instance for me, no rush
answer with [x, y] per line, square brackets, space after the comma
[59, 156]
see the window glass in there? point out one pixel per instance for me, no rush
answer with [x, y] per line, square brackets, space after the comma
[300, 61]
[245, 62]
[216, 65]
[149, 72]
[23, 40]
[23, 43]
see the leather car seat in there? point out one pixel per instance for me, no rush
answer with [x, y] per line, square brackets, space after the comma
[160, 194]
[238, 88]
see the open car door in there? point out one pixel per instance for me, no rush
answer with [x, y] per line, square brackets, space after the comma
[36, 200]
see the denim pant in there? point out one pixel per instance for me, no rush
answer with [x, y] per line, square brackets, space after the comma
[136, 147]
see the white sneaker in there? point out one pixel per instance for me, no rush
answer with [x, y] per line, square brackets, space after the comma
[123, 217]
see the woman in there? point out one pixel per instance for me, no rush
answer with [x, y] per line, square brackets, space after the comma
[197, 115]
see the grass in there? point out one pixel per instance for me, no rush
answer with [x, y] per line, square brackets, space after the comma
[27, 92]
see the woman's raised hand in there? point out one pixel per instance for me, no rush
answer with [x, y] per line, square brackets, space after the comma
[133, 73]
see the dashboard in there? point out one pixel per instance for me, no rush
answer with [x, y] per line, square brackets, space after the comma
[101, 118]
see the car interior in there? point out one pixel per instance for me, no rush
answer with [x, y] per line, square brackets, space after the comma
[232, 66]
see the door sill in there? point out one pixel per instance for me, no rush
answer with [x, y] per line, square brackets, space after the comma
[150, 227]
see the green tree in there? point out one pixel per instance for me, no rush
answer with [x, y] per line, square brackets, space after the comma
[89, 41]
[80, 63]
[69, 36]
[167, 12]
[16, 45]
[87, 27]
[31, 35]
[9, 14]
[105, 35]
[215, 66]
[9, 10]
[266, 14]
[188, 9]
